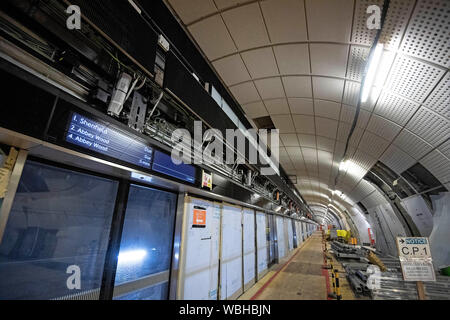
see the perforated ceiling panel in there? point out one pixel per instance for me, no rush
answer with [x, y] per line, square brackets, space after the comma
[397, 160]
[344, 131]
[373, 145]
[428, 34]
[413, 79]
[361, 34]
[362, 190]
[439, 99]
[395, 108]
[383, 127]
[373, 200]
[351, 93]
[445, 149]
[357, 62]
[302, 62]
[412, 144]
[362, 164]
[395, 24]
[430, 126]
[438, 165]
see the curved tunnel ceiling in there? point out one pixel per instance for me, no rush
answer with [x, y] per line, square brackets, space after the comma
[300, 62]
[325, 215]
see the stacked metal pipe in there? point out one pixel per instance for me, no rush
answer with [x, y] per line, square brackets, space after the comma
[358, 281]
[391, 283]
[393, 287]
[355, 272]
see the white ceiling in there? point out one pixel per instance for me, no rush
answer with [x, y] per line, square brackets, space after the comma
[301, 62]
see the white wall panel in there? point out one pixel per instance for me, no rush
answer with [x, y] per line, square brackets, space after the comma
[420, 213]
[281, 238]
[261, 243]
[249, 246]
[440, 237]
[361, 224]
[298, 227]
[199, 265]
[304, 231]
[290, 234]
[231, 253]
[387, 228]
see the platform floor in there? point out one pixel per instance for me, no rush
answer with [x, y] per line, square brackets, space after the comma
[299, 276]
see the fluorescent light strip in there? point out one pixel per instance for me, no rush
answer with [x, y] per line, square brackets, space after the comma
[372, 71]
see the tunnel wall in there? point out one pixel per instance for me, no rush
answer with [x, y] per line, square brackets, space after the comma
[420, 213]
[440, 235]
[361, 224]
[386, 225]
[261, 243]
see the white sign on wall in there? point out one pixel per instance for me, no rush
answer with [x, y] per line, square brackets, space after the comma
[415, 258]
[413, 247]
[418, 270]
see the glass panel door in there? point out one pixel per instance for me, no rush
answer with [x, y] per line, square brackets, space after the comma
[262, 243]
[294, 230]
[281, 238]
[271, 238]
[146, 247]
[249, 249]
[57, 234]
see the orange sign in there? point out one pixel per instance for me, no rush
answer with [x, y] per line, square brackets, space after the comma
[199, 220]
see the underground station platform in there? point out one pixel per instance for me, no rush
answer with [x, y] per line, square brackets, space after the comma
[225, 158]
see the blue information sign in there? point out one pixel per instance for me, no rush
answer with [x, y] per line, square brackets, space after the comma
[163, 163]
[95, 136]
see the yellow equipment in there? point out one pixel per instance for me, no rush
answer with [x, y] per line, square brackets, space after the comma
[375, 260]
[343, 234]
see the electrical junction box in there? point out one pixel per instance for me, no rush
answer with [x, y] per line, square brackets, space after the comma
[163, 43]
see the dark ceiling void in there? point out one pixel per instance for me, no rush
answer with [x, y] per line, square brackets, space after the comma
[393, 180]
[362, 207]
[420, 178]
[264, 123]
[417, 179]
